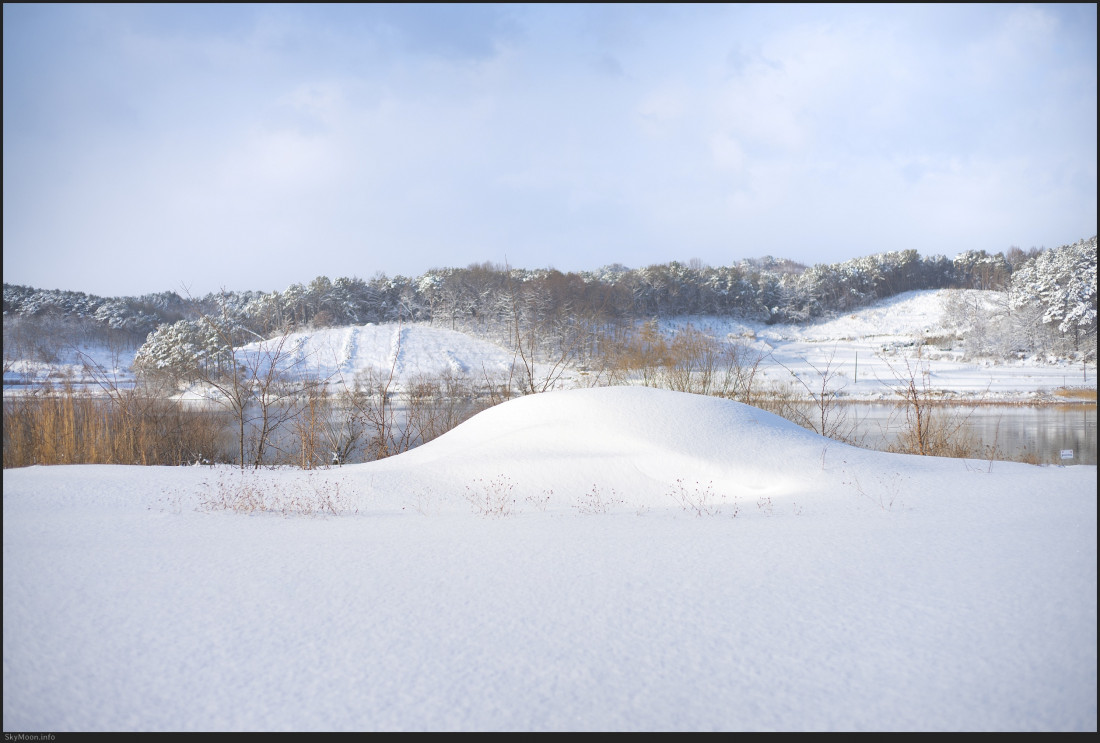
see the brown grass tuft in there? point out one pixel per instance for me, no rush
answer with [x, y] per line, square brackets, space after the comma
[1077, 393]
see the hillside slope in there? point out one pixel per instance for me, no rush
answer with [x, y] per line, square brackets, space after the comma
[859, 356]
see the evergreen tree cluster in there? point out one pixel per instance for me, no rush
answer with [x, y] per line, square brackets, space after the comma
[1059, 287]
[138, 315]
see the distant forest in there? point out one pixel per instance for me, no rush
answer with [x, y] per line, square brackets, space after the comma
[1055, 288]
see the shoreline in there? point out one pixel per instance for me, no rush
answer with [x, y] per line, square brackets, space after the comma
[1037, 398]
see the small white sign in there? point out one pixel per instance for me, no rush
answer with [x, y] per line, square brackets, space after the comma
[1067, 453]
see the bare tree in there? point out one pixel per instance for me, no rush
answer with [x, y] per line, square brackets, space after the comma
[929, 429]
[828, 416]
[270, 376]
[240, 380]
[372, 402]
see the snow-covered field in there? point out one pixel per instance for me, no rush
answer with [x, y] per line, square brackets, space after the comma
[603, 559]
[866, 351]
[862, 353]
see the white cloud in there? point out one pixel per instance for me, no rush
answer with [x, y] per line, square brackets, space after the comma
[727, 153]
[637, 136]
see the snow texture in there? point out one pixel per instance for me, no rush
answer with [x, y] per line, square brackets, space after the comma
[823, 587]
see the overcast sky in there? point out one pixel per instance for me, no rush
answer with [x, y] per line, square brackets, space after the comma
[147, 148]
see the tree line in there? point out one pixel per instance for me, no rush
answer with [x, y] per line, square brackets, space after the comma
[489, 298]
[775, 290]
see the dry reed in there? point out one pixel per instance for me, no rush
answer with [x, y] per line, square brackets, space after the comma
[61, 425]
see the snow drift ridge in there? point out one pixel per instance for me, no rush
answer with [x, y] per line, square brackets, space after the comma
[640, 438]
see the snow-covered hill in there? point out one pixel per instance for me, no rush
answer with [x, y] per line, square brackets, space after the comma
[866, 353]
[406, 351]
[862, 354]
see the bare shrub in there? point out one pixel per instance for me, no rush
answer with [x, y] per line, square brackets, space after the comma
[690, 360]
[825, 414]
[248, 492]
[700, 500]
[438, 403]
[425, 502]
[309, 424]
[492, 498]
[597, 501]
[373, 400]
[925, 432]
[885, 491]
[932, 428]
[496, 387]
[764, 505]
[541, 501]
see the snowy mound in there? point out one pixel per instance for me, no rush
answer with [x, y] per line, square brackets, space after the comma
[639, 439]
[644, 447]
[668, 562]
